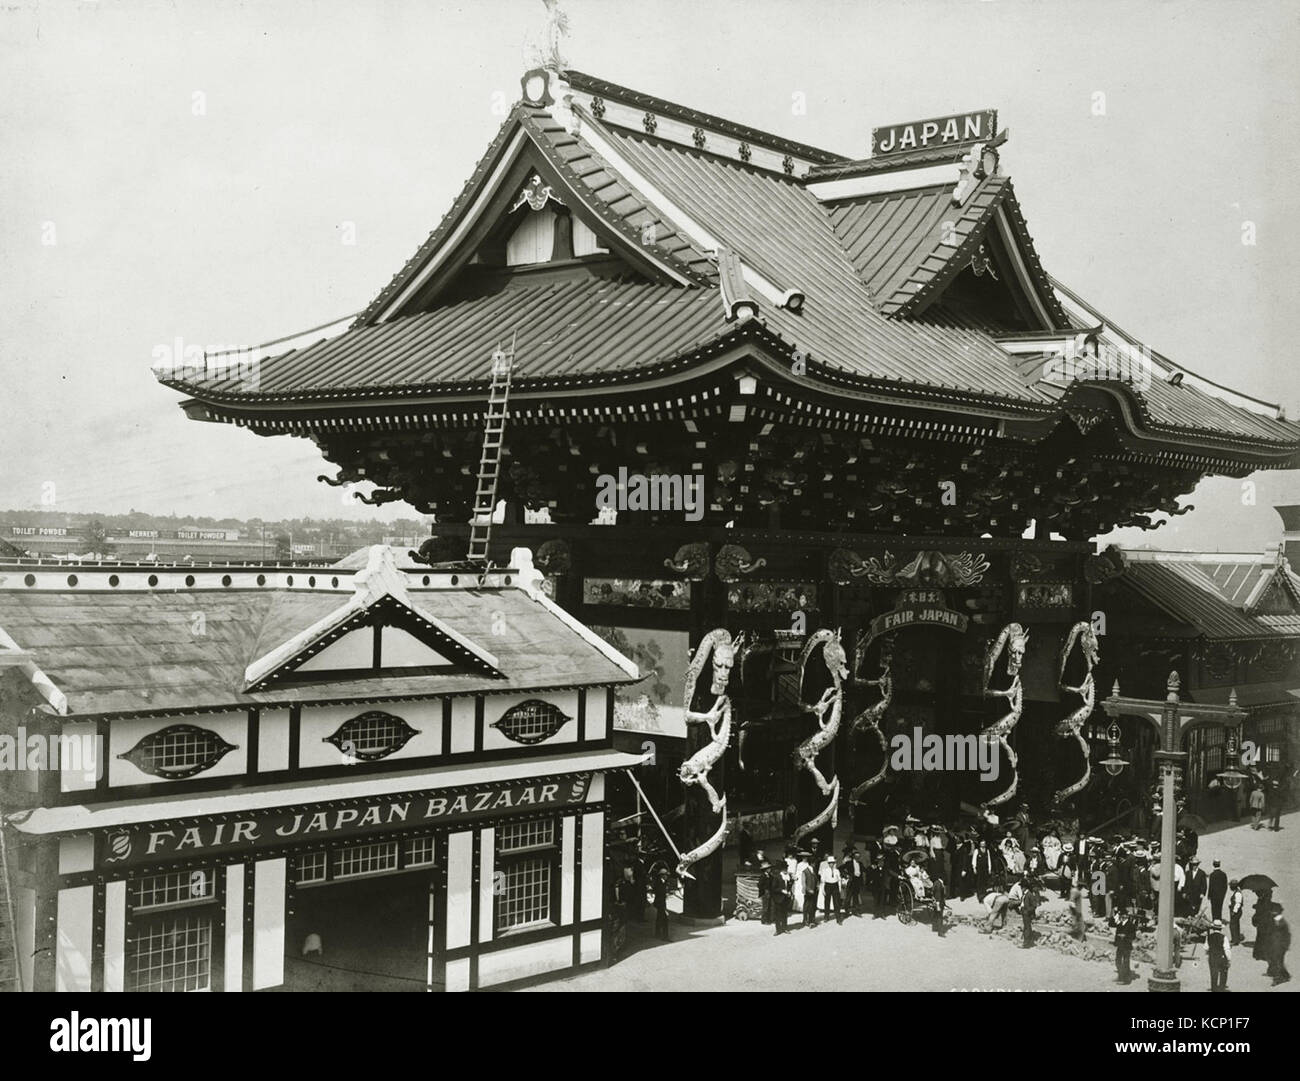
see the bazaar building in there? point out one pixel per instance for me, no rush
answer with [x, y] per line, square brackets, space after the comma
[1230, 625]
[868, 407]
[245, 778]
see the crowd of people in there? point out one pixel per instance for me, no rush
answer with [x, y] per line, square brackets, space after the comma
[1011, 867]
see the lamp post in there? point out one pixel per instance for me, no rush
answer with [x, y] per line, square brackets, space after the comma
[1172, 719]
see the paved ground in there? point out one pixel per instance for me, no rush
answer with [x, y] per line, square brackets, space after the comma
[883, 955]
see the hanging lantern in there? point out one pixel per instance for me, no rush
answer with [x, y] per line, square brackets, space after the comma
[1231, 777]
[1114, 761]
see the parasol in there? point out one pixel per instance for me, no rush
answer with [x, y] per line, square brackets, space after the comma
[1255, 883]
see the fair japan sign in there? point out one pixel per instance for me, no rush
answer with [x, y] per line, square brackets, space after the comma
[956, 130]
[261, 830]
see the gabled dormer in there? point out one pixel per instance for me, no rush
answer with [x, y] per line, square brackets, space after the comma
[377, 632]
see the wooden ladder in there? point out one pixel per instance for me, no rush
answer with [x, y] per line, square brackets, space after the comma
[489, 466]
[10, 977]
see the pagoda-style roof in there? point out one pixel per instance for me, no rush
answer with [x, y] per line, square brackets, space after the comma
[910, 280]
[1219, 595]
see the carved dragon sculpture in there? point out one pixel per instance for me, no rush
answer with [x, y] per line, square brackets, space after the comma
[827, 710]
[870, 719]
[692, 560]
[732, 561]
[1013, 640]
[1069, 726]
[718, 647]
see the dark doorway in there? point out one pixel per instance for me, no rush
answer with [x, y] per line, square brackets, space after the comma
[373, 932]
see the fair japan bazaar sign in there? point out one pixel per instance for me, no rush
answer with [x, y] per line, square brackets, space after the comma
[281, 826]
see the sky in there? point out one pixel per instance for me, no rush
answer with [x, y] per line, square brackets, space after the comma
[196, 170]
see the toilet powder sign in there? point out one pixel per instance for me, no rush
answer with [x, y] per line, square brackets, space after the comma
[267, 829]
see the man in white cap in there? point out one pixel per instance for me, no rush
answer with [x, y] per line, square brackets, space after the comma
[1218, 950]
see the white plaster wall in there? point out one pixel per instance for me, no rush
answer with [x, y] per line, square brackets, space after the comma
[568, 851]
[486, 884]
[457, 975]
[235, 927]
[356, 649]
[268, 923]
[75, 938]
[589, 945]
[597, 711]
[317, 722]
[81, 758]
[272, 740]
[496, 706]
[125, 734]
[462, 725]
[115, 936]
[520, 961]
[460, 851]
[593, 864]
[76, 854]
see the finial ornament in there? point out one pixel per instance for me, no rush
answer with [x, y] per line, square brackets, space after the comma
[1232, 697]
[555, 29]
[1174, 681]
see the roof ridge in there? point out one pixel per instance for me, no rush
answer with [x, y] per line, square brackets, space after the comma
[591, 83]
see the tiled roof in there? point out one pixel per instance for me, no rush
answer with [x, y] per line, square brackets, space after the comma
[866, 266]
[565, 329]
[898, 239]
[137, 651]
[907, 245]
[781, 230]
[624, 203]
[1186, 408]
[1188, 591]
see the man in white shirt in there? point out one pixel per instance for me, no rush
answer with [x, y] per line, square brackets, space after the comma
[1000, 903]
[829, 874]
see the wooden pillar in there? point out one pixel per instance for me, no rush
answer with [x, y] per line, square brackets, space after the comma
[47, 914]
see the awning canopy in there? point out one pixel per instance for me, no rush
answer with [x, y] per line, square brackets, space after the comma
[84, 817]
[1250, 695]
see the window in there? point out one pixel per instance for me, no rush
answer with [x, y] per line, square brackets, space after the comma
[531, 722]
[528, 862]
[171, 889]
[371, 736]
[172, 953]
[309, 868]
[1272, 752]
[169, 947]
[526, 835]
[419, 852]
[179, 750]
[368, 859]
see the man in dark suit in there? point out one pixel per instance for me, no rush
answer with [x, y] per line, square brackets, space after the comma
[1236, 903]
[1218, 890]
[853, 873]
[1197, 884]
[982, 869]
